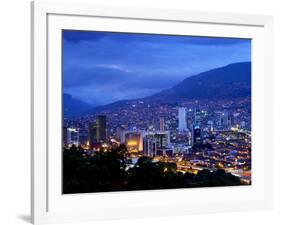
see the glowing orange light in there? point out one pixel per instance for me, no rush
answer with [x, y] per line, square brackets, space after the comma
[132, 143]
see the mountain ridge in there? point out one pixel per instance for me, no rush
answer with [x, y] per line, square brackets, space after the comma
[230, 81]
[73, 107]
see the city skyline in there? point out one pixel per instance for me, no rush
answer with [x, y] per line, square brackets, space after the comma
[171, 112]
[139, 65]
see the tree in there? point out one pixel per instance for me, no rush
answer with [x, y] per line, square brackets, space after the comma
[109, 171]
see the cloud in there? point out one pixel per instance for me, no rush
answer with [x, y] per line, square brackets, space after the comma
[117, 77]
[101, 94]
[214, 41]
[105, 66]
[93, 36]
[77, 36]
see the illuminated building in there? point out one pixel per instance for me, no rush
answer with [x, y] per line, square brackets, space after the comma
[72, 135]
[196, 135]
[133, 140]
[83, 136]
[154, 142]
[196, 117]
[97, 130]
[226, 119]
[118, 135]
[182, 119]
[149, 144]
[210, 125]
[199, 116]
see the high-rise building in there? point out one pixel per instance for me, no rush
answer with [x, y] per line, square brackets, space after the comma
[83, 136]
[210, 125]
[162, 123]
[154, 142]
[97, 130]
[182, 119]
[149, 146]
[199, 117]
[196, 119]
[119, 132]
[196, 135]
[132, 139]
[226, 119]
[72, 135]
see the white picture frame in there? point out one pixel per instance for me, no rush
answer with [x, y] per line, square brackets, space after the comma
[48, 205]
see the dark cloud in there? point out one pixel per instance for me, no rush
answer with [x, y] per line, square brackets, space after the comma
[112, 76]
[104, 67]
[92, 36]
[77, 36]
[214, 41]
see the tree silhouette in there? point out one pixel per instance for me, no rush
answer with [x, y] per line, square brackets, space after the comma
[109, 171]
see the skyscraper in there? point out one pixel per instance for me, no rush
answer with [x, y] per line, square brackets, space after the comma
[182, 119]
[132, 139]
[155, 141]
[72, 135]
[97, 130]
[149, 146]
[226, 119]
[196, 135]
[199, 116]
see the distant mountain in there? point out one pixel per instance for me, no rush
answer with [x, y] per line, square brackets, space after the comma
[228, 82]
[231, 81]
[73, 107]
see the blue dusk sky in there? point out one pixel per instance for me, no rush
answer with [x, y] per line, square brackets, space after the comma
[104, 67]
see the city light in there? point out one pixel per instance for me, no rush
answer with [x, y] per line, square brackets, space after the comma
[149, 119]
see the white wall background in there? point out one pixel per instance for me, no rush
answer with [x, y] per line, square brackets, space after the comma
[15, 108]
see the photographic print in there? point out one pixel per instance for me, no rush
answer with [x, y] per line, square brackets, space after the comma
[154, 111]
